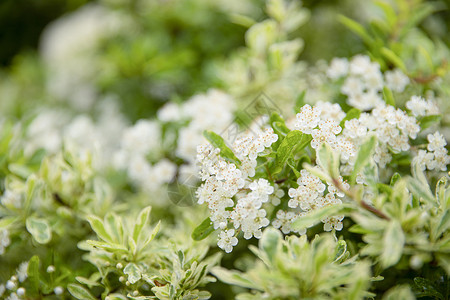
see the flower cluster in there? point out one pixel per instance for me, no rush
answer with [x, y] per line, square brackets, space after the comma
[310, 195]
[234, 198]
[393, 128]
[435, 157]
[13, 284]
[364, 80]
[420, 107]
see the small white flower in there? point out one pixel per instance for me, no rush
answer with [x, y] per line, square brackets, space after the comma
[227, 240]
[308, 118]
[262, 189]
[338, 68]
[58, 290]
[436, 141]
[396, 80]
[22, 271]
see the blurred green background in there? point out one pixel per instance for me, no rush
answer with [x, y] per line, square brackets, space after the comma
[22, 21]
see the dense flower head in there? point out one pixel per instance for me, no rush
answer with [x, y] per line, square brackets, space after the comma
[364, 81]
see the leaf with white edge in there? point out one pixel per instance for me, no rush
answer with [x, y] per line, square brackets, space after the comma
[314, 217]
[270, 242]
[393, 242]
[428, 121]
[80, 292]
[107, 246]
[97, 225]
[39, 229]
[203, 230]
[142, 220]
[234, 278]
[152, 235]
[87, 281]
[218, 142]
[443, 225]
[292, 143]
[399, 292]
[318, 172]
[421, 191]
[363, 157]
[134, 272]
[328, 159]
[113, 224]
[341, 250]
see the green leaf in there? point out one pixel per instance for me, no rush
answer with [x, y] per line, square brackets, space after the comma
[203, 230]
[299, 102]
[142, 220]
[427, 121]
[356, 28]
[270, 242]
[314, 217]
[278, 124]
[218, 142]
[426, 288]
[133, 272]
[395, 178]
[80, 292]
[388, 97]
[33, 275]
[292, 143]
[97, 225]
[363, 157]
[39, 229]
[393, 58]
[353, 113]
[393, 242]
[341, 250]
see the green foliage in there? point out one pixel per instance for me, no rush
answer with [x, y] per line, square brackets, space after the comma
[295, 268]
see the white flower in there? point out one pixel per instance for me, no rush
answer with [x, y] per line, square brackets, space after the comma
[396, 80]
[338, 68]
[4, 240]
[261, 189]
[333, 222]
[142, 137]
[58, 290]
[227, 240]
[170, 112]
[283, 220]
[360, 64]
[330, 111]
[352, 87]
[425, 160]
[11, 199]
[307, 119]
[22, 271]
[436, 141]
